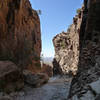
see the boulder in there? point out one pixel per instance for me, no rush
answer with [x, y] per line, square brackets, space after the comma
[88, 96]
[75, 98]
[35, 80]
[95, 86]
[98, 97]
[5, 98]
[11, 78]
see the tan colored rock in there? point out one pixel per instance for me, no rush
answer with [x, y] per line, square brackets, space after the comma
[66, 46]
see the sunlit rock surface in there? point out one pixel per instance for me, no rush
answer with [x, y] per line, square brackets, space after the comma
[66, 46]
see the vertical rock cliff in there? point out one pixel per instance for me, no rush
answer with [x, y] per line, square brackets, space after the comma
[67, 48]
[85, 85]
[77, 51]
[20, 36]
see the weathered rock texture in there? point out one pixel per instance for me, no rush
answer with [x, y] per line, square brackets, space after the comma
[20, 38]
[89, 60]
[66, 48]
[35, 80]
[10, 77]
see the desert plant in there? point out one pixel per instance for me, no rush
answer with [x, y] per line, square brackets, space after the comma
[68, 30]
[78, 10]
[63, 44]
[39, 12]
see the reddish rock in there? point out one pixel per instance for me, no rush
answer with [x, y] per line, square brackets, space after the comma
[20, 36]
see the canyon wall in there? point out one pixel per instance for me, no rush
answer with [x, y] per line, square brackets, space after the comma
[77, 52]
[66, 46]
[85, 85]
[20, 36]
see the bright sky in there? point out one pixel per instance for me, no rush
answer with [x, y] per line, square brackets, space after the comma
[56, 16]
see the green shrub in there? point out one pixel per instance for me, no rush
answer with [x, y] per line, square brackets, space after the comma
[78, 10]
[63, 44]
[39, 12]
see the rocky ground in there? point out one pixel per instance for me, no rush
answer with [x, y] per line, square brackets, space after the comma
[56, 89]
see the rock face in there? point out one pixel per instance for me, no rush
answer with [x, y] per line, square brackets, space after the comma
[20, 38]
[35, 80]
[10, 77]
[83, 86]
[5, 98]
[67, 48]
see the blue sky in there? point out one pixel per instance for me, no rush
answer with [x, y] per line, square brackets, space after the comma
[56, 16]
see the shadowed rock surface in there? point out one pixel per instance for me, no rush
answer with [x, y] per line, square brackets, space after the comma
[83, 86]
[35, 80]
[11, 79]
[20, 42]
[56, 89]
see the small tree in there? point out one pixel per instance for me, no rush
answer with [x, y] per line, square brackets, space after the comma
[78, 10]
[39, 12]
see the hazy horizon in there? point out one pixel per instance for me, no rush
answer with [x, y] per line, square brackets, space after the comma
[56, 17]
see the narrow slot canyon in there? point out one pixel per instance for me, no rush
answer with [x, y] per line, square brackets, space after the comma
[38, 61]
